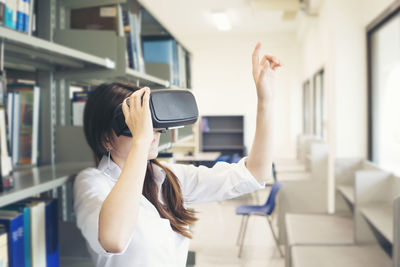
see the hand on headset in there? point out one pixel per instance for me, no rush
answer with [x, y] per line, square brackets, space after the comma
[138, 116]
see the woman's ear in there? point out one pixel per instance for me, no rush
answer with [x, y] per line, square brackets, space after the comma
[107, 143]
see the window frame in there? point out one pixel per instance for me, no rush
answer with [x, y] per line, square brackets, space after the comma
[392, 11]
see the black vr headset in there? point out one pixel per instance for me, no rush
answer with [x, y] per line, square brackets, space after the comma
[169, 108]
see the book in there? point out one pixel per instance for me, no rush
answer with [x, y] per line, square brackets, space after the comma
[2, 11]
[31, 19]
[38, 236]
[25, 117]
[13, 110]
[137, 29]
[6, 181]
[10, 17]
[3, 246]
[20, 15]
[13, 222]
[78, 102]
[131, 57]
[51, 232]
[25, 210]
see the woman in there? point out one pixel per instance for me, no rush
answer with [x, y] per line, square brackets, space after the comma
[131, 209]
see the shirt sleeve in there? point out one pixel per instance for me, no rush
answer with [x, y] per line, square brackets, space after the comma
[222, 181]
[90, 191]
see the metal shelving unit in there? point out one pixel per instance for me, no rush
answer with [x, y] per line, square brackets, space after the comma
[225, 134]
[55, 59]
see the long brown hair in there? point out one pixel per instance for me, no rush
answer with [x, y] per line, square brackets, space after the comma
[97, 127]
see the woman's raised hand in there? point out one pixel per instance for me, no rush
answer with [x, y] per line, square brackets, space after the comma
[263, 74]
[138, 116]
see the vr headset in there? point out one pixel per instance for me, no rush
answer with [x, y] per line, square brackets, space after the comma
[169, 108]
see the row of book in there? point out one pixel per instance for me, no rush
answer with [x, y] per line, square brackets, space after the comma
[29, 233]
[19, 127]
[18, 15]
[160, 56]
[23, 102]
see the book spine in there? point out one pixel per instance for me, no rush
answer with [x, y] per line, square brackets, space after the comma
[35, 126]
[6, 165]
[52, 249]
[31, 17]
[15, 240]
[26, 15]
[11, 14]
[16, 127]
[20, 15]
[38, 245]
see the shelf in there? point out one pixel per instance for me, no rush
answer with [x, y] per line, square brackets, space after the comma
[178, 88]
[30, 53]
[144, 78]
[223, 147]
[380, 216]
[37, 180]
[347, 191]
[75, 4]
[222, 131]
[164, 147]
[208, 156]
[180, 142]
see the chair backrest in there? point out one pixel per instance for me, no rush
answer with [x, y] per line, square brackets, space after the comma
[271, 201]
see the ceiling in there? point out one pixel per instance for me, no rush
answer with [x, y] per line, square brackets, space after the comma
[193, 17]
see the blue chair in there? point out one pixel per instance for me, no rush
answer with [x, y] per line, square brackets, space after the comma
[263, 210]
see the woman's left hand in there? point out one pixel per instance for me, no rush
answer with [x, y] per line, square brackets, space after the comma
[263, 74]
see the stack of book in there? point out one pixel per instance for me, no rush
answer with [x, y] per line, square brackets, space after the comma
[18, 15]
[31, 230]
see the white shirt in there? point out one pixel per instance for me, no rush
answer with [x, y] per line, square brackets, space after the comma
[153, 242]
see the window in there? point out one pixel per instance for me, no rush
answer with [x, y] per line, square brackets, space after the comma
[307, 119]
[384, 90]
[319, 105]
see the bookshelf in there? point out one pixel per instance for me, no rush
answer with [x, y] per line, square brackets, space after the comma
[56, 58]
[223, 133]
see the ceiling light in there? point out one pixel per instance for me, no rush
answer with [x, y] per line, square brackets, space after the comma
[221, 20]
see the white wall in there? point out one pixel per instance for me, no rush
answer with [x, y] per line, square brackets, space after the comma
[223, 82]
[336, 39]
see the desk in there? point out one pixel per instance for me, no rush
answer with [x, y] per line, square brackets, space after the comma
[202, 158]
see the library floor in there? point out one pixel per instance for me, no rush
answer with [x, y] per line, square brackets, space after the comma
[216, 231]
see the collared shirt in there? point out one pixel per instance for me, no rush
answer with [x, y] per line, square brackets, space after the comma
[153, 242]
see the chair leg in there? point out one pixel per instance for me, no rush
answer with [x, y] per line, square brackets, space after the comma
[240, 231]
[243, 235]
[275, 237]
